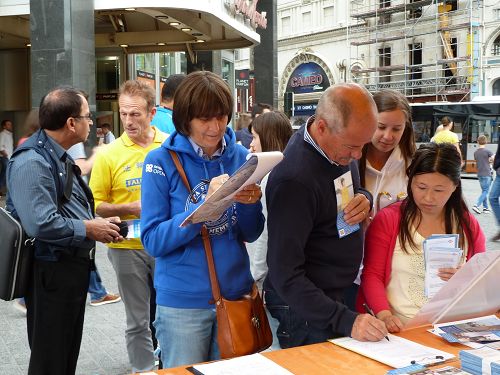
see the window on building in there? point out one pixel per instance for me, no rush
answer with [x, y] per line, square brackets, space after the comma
[328, 16]
[384, 59]
[414, 12]
[415, 72]
[384, 18]
[496, 87]
[286, 26]
[497, 13]
[495, 50]
[306, 20]
[453, 3]
[384, 3]
[145, 62]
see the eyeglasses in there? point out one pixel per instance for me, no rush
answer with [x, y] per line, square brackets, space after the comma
[88, 117]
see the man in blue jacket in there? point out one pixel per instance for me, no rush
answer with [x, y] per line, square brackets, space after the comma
[310, 263]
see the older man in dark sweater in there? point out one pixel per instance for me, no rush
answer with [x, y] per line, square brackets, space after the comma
[310, 266]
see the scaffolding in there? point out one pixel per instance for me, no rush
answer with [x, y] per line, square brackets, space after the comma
[427, 49]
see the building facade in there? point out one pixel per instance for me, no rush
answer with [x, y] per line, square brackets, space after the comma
[146, 39]
[430, 50]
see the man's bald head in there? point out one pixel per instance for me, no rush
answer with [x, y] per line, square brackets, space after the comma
[341, 103]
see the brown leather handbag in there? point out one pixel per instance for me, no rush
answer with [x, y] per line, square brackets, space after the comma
[242, 325]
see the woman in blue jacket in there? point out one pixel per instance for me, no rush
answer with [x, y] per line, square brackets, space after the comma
[185, 317]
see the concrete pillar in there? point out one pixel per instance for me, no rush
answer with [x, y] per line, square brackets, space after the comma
[266, 57]
[62, 47]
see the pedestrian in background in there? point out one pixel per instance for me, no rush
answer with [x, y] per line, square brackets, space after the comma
[163, 117]
[495, 191]
[483, 157]
[243, 135]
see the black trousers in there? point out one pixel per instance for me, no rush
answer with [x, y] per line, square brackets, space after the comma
[56, 308]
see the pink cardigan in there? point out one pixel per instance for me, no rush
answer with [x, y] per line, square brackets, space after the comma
[380, 242]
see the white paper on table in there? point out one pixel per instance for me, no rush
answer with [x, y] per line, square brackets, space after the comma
[398, 352]
[252, 171]
[436, 258]
[246, 365]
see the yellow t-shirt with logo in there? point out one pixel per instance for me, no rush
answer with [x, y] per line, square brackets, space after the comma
[117, 174]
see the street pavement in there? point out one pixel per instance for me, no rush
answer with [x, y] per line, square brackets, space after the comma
[103, 349]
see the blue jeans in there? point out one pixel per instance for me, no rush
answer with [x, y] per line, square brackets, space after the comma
[494, 197]
[293, 330]
[484, 182]
[186, 336]
[96, 289]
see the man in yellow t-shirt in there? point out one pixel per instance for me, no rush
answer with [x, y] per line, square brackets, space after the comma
[116, 184]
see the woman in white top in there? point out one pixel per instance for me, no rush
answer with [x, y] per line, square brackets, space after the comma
[385, 159]
[271, 132]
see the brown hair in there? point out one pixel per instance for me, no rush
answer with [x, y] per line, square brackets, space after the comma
[274, 130]
[244, 119]
[482, 140]
[446, 121]
[386, 101]
[138, 88]
[202, 94]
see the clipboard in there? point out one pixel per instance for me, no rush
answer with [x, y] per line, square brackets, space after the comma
[470, 293]
[398, 352]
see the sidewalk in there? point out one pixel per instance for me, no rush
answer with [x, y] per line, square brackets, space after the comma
[103, 347]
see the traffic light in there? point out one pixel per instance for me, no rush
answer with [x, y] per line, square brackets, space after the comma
[288, 104]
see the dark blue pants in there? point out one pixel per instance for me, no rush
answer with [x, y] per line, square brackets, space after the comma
[293, 330]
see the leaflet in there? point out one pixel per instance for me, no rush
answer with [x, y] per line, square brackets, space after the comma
[344, 192]
[479, 330]
[440, 251]
[252, 171]
[435, 259]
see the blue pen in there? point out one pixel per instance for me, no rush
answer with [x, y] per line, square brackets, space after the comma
[370, 311]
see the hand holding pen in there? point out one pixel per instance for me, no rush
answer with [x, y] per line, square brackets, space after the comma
[370, 311]
[368, 328]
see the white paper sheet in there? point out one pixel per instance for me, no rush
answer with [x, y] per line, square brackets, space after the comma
[398, 352]
[246, 365]
[436, 258]
[255, 168]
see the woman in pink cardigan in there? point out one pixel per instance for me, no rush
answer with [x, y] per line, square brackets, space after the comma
[392, 283]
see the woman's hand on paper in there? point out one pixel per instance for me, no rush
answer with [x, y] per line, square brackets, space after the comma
[446, 273]
[392, 322]
[368, 328]
[249, 194]
[357, 210]
[216, 183]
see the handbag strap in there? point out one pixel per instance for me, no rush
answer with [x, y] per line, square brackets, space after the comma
[214, 282]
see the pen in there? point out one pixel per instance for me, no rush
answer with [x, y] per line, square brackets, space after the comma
[370, 311]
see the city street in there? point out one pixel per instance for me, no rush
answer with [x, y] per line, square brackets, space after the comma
[103, 346]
